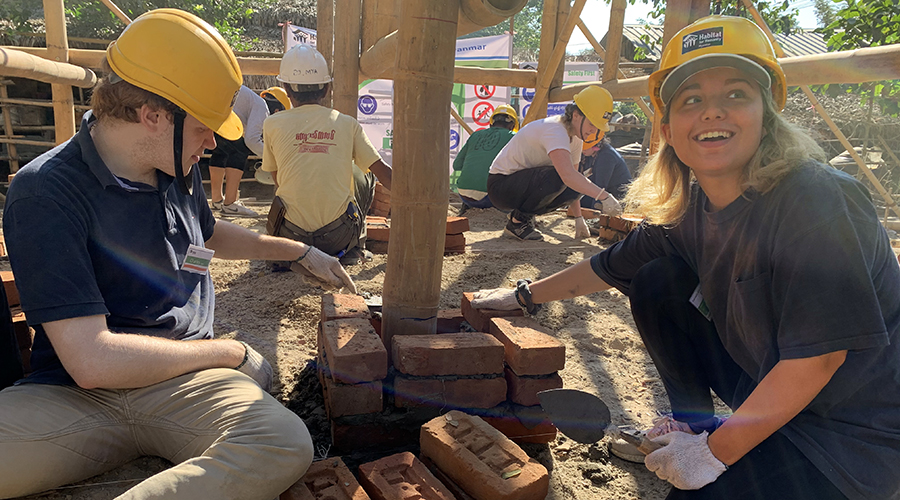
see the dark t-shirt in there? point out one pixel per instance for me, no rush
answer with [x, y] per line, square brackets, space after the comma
[607, 170]
[84, 242]
[803, 270]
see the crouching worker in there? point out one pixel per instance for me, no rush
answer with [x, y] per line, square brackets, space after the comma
[315, 155]
[769, 281]
[109, 236]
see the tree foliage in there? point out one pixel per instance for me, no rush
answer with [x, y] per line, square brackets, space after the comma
[779, 15]
[526, 27]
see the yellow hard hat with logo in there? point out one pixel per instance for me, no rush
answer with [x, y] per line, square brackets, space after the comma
[714, 42]
[176, 55]
[596, 103]
[279, 94]
[506, 109]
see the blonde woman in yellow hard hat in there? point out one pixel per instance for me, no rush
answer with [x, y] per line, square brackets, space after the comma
[761, 275]
[475, 157]
[537, 172]
[110, 238]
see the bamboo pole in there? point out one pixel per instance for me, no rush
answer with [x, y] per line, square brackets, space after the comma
[614, 40]
[26, 142]
[7, 123]
[563, 9]
[57, 50]
[541, 93]
[678, 15]
[346, 57]
[888, 199]
[324, 40]
[549, 23]
[38, 102]
[460, 120]
[117, 11]
[621, 75]
[423, 84]
[23, 65]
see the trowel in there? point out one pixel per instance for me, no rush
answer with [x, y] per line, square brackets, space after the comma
[585, 418]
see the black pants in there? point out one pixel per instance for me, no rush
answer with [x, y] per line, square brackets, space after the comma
[691, 361]
[530, 192]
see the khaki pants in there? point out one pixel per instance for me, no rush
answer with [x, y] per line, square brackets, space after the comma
[228, 438]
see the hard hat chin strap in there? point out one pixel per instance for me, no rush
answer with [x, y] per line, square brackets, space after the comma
[185, 184]
[581, 129]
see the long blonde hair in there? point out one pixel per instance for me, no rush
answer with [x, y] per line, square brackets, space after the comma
[662, 190]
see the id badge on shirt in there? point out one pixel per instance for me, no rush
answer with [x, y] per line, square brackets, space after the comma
[196, 260]
[697, 301]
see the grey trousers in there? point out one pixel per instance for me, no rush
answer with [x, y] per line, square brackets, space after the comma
[228, 438]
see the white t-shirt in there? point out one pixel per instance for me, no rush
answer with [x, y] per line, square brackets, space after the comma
[532, 145]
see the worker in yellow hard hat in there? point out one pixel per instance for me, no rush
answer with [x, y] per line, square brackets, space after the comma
[605, 167]
[761, 275]
[537, 170]
[276, 98]
[110, 237]
[474, 159]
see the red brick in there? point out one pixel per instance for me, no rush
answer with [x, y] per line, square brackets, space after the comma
[479, 318]
[609, 234]
[454, 488]
[454, 250]
[454, 241]
[477, 456]
[523, 389]
[378, 233]
[448, 354]
[449, 321]
[382, 196]
[327, 479]
[354, 351]
[338, 306]
[401, 476]
[9, 284]
[625, 222]
[530, 349]
[379, 188]
[382, 213]
[381, 206]
[24, 334]
[375, 220]
[457, 225]
[589, 213]
[513, 428]
[458, 393]
[348, 399]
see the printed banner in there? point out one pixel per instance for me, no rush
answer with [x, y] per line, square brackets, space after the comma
[295, 35]
[574, 72]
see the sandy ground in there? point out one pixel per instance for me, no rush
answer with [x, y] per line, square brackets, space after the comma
[277, 314]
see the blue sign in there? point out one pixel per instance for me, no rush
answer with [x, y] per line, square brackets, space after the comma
[454, 139]
[525, 110]
[555, 109]
[528, 94]
[367, 104]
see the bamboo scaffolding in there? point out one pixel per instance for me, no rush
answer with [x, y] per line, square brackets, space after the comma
[20, 64]
[117, 11]
[7, 124]
[888, 199]
[324, 40]
[614, 40]
[549, 23]
[460, 120]
[57, 50]
[346, 57]
[423, 84]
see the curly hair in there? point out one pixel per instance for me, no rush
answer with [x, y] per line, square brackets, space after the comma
[115, 98]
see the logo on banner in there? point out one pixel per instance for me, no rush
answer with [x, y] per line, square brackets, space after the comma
[367, 104]
[528, 94]
[702, 39]
[481, 113]
[555, 109]
[525, 110]
[484, 91]
[454, 139]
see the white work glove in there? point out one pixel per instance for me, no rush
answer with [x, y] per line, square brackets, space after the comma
[610, 205]
[256, 367]
[502, 299]
[325, 268]
[685, 460]
[581, 229]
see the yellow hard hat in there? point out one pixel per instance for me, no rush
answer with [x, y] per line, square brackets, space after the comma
[714, 42]
[278, 93]
[506, 109]
[596, 103]
[176, 55]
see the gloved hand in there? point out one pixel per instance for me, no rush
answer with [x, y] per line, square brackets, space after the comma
[256, 367]
[610, 205]
[581, 229]
[325, 268]
[503, 299]
[685, 460]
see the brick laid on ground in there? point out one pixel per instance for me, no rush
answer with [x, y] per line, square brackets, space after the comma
[473, 353]
[401, 476]
[479, 318]
[457, 225]
[338, 306]
[481, 460]
[326, 479]
[530, 349]
[523, 389]
[355, 352]
[448, 392]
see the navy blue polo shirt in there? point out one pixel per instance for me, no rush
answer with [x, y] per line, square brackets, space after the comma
[84, 242]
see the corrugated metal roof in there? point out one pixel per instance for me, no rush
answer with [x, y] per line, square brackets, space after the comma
[801, 43]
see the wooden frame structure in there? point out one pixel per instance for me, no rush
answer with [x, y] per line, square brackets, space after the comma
[413, 43]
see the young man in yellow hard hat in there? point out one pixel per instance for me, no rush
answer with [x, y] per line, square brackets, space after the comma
[537, 172]
[110, 238]
[323, 164]
[475, 158]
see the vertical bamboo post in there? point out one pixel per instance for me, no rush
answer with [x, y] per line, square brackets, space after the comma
[678, 13]
[548, 39]
[367, 33]
[564, 8]
[58, 50]
[325, 37]
[7, 124]
[614, 40]
[423, 84]
[346, 57]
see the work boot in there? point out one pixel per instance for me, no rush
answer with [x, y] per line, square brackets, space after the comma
[523, 230]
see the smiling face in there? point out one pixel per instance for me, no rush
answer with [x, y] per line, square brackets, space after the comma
[716, 125]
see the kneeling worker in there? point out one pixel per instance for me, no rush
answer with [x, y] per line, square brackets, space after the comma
[475, 158]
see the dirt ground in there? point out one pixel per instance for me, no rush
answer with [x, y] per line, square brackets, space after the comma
[277, 314]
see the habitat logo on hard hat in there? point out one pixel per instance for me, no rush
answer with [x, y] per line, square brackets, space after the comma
[702, 39]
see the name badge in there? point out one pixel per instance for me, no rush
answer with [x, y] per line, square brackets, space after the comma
[196, 260]
[697, 301]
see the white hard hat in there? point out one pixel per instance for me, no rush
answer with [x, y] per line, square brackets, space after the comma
[303, 65]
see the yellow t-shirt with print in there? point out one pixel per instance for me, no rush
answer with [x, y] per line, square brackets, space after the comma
[312, 149]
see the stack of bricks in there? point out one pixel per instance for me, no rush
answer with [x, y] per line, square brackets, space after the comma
[329, 478]
[379, 230]
[381, 205]
[24, 334]
[614, 228]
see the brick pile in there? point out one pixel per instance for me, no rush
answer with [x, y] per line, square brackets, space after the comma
[326, 479]
[378, 229]
[614, 228]
[24, 334]
[381, 205]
